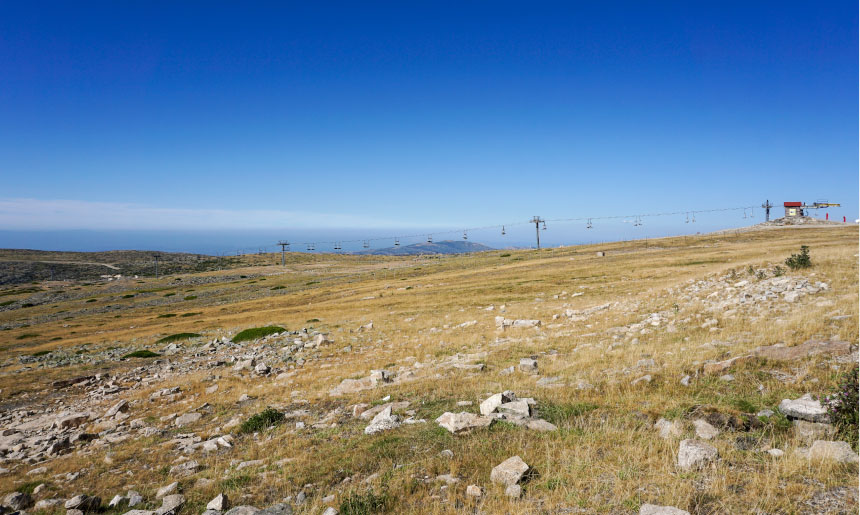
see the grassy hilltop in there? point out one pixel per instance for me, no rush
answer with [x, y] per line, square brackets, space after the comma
[617, 335]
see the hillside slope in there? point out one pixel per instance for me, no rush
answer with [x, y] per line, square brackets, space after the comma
[656, 375]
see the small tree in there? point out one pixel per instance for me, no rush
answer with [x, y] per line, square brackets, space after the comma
[798, 261]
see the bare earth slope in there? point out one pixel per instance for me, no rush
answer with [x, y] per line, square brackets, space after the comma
[656, 375]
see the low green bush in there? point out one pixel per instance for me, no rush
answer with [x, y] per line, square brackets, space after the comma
[142, 354]
[801, 260]
[257, 332]
[266, 418]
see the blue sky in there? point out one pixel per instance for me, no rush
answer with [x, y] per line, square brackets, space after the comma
[197, 116]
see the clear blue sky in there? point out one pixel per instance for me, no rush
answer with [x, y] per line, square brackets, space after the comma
[215, 115]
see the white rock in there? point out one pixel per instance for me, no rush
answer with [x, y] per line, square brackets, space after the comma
[805, 408]
[220, 503]
[669, 429]
[704, 430]
[474, 491]
[462, 422]
[514, 491]
[383, 421]
[694, 454]
[839, 452]
[653, 509]
[509, 472]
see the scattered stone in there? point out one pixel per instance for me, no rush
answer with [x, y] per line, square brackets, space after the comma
[540, 424]
[18, 501]
[187, 418]
[528, 365]
[243, 510]
[447, 453]
[330, 511]
[780, 352]
[694, 454]
[805, 408]
[462, 422]
[184, 469]
[776, 453]
[514, 491]
[668, 429]
[167, 490]
[220, 503]
[653, 509]
[644, 379]
[474, 491]
[840, 452]
[383, 421]
[509, 472]
[704, 430]
[809, 432]
[171, 504]
[83, 502]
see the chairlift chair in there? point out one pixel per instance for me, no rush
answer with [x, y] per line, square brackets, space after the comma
[366, 244]
[396, 242]
[544, 226]
[429, 238]
[465, 237]
[503, 230]
[589, 226]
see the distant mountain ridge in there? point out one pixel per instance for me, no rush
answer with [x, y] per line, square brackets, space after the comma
[440, 247]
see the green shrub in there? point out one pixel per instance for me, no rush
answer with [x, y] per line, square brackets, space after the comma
[266, 418]
[257, 332]
[27, 335]
[277, 287]
[798, 261]
[141, 354]
[362, 504]
[843, 404]
[166, 315]
[91, 300]
[191, 297]
[128, 295]
[41, 353]
[7, 303]
[312, 320]
[178, 336]
[170, 294]
[191, 314]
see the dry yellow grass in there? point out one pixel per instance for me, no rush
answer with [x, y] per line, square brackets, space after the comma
[606, 456]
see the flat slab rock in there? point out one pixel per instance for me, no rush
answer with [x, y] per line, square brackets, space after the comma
[509, 472]
[695, 454]
[840, 452]
[780, 352]
[653, 509]
[463, 422]
[804, 408]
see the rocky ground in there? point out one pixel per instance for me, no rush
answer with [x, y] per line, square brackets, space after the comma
[640, 383]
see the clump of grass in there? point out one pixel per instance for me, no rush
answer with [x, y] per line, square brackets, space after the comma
[178, 336]
[363, 503]
[801, 260]
[141, 354]
[277, 287]
[558, 413]
[26, 335]
[312, 320]
[191, 314]
[236, 482]
[171, 294]
[6, 303]
[166, 315]
[257, 332]
[128, 295]
[266, 418]
[41, 353]
[190, 297]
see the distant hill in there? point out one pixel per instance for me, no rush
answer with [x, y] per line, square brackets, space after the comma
[439, 247]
